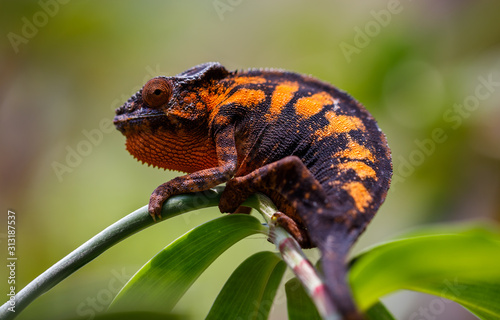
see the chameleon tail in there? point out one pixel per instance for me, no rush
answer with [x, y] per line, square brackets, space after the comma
[334, 245]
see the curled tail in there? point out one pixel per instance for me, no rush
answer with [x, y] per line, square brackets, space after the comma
[334, 241]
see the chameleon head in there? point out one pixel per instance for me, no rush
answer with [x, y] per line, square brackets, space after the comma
[161, 119]
[169, 103]
[147, 109]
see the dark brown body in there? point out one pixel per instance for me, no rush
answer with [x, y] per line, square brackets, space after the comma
[313, 149]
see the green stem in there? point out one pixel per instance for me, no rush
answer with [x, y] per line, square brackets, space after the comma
[118, 231]
[295, 258]
[122, 229]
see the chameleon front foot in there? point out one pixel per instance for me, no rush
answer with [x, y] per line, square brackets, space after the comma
[156, 201]
[154, 208]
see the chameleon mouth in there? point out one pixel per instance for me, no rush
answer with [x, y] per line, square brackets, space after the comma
[134, 122]
[122, 122]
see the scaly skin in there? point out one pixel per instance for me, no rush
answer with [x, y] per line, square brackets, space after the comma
[314, 150]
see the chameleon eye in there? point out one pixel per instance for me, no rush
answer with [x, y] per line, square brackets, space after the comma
[157, 92]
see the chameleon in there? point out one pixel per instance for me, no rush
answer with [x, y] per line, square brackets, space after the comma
[314, 150]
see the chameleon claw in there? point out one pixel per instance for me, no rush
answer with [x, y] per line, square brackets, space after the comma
[154, 209]
[155, 216]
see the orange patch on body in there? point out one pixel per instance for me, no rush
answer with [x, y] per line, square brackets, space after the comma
[359, 194]
[282, 94]
[309, 106]
[355, 151]
[362, 169]
[247, 80]
[339, 124]
[222, 90]
[246, 97]
[243, 97]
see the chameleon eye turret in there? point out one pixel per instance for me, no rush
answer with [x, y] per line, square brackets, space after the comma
[157, 92]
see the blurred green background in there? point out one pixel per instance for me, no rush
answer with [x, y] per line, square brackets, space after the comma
[429, 71]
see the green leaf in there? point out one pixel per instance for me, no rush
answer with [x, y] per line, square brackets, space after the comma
[460, 265]
[478, 296]
[137, 316]
[125, 227]
[250, 291]
[299, 304]
[379, 312]
[161, 282]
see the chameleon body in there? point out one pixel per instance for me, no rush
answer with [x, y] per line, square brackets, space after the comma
[314, 150]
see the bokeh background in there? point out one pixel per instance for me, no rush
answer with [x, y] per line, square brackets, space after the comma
[428, 70]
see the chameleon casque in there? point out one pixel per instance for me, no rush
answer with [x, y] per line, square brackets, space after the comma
[313, 149]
